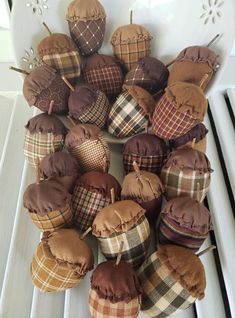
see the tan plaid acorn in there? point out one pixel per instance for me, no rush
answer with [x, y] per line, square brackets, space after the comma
[44, 135]
[172, 279]
[87, 22]
[61, 261]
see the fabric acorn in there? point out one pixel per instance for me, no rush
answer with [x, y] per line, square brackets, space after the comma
[184, 222]
[172, 279]
[131, 112]
[58, 51]
[61, 261]
[89, 105]
[147, 150]
[49, 205]
[187, 173]
[87, 22]
[115, 291]
[44, 135]
[123, 221]
[131, 43]
[182, 107]
[146, 189]
[104, 73]
[86, 143]
[92, 193]
[62, 167]
[150, 74]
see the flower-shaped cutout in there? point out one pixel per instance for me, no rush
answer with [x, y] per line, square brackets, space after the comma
[37, 6]
[211, 11]
[30, 59]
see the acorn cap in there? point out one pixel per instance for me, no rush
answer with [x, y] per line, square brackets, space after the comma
[99, 61]
[69, 250]
[115, 283]
[118, 217]
[85, 10]
[199, 54]
[44, 123]
[189, 214]
[130, 33]
[81, 133]
[188, 98]
[185, 267]
[100, 182]
[45, 197]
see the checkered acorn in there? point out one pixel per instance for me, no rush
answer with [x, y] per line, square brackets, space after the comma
[87, 22]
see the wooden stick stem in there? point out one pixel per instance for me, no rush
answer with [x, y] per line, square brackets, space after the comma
[67, 83]
[136, 167]
[204, 79]
[51, 107]
[47, 28]
[131, 17]
[112, 192]
[19, 70]
[119, 253]
[86, 233]
[38, 174]
[194, 142]
[71, 121]
[213, 40]
[207, 250]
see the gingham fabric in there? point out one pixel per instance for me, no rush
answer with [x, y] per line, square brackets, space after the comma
[126, 118]
[162, 295]
[48, 276]
[37, 146]
[136, 243]
[67, 64]
[53, 220]
[168, 123]
[131, 53]
[104, 308]
[137, 77]
[92, 154]
[184, 183]
[86, 204]
[98, 112]
[88, 35]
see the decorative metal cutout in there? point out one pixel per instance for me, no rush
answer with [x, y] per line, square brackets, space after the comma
[30, 59]
[212, 10]
[37, 6]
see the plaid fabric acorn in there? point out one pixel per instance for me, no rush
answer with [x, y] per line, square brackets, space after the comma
[186, 173]
[123, 221]
[131, 112]
[147, 150]
[87, 21]
[86, 143]
[61, 261]
[48, 204]
[91, 194]
[115, 291]
[44, 135]
[172, 279]
[184, 222]
[181, 108]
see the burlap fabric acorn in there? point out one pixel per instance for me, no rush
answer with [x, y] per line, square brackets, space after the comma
[187, 172]
[150, 74]
[89, 105]
[147, 150]
[87, 144]
[44, 135]
[123, 221]
[91, 194]
[104, 73]
[115, 291]
[131, 112]
[184, 222]
[172, 279]
[87, 21]
[182, 107]
[49, 205]
[61, 261]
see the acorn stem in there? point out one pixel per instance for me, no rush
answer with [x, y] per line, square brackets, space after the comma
[207, 250]
[112, 192]
[47, 28]
[213, 40]
[38, 174]
[119, 254]
[131, 17]
[136, 167]
[169, 64]
[194, 142]
[205, 77]
[158, 93]
[67, 83]
[19, 70]
[86, 233]
[71, 121]
[51, 107]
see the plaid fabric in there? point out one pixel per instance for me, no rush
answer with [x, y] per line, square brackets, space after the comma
[108, 79]
[184, 183]
[126, 118]
[168, 123]
[162, 295]
[91, 154]
[48, 275]
[104, 308]
[89, 35]
[146, 163]
[86, 204]
[37, 146]
[98, 113]
[131, 53]
[136, 243]
[138, 77]
[67, 64]
[53, 220]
